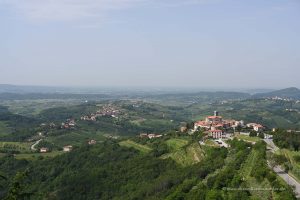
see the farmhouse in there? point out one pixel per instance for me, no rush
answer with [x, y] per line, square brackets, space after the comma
[150, 136]
[256, 127]
[91, 142]
[143, 135]
[68, 148]
[44, 150]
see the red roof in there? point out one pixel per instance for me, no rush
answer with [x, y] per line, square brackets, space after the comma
[201, 123]
[214, 117]
[259, 125]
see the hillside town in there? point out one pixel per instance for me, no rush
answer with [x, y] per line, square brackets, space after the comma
[107, 110]
[216, 127]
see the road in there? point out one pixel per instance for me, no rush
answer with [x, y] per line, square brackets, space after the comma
[280, 172]
[33, 146]
[271, 144]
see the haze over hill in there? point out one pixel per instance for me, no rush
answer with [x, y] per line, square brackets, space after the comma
[22, 89]
[291, 92]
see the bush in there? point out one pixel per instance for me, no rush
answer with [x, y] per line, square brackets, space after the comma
[253, 134]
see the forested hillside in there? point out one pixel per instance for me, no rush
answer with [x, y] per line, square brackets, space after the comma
[110, 171]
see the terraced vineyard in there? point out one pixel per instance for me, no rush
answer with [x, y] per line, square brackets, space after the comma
[22, 147]
[184, 153]
[141, 148]
[250, 181]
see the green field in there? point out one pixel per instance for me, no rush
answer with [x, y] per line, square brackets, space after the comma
[247, 138]
[175, 143]
[34, 107]
[19, 146]
[75, 138]
[34, 156]
[210, 143]
[290, 155]
[140, 147]
[4, 130]
[251, 181]
[182, 154]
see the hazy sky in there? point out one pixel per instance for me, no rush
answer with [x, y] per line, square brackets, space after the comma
[170, 43]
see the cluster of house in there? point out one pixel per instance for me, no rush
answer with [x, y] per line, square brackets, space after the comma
[215, 125]
[279, 98]
[50, 125]
[256, 127]
[70, 123]
[67, 148]
[107, 110]
[150, 136]
[292, 110]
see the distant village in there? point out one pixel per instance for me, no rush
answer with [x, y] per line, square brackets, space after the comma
[107, 110]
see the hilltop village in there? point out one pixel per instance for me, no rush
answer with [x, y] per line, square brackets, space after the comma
[216, 127]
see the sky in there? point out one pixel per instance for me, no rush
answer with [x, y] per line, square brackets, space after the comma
[150, 43]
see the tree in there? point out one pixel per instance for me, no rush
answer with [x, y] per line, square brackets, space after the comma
[253, 133]
[17, 187]
[261, 135]
[213, 195]
[238, 128]
[3, 178]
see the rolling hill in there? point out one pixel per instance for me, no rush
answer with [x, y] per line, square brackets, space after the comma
[292, 92]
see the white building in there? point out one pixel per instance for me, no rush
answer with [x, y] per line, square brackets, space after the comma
[216, 134]
[68, 148]
[44, 150]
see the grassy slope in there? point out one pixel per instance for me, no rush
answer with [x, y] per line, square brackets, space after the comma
[4, 130]
[247, 138]
[33, 107]
[140, 147]
[20, 146]
[75, 138]
[251, 181]
[175, 144]
[211, 143]
[34, 156]
[296, 166]
[182, 154]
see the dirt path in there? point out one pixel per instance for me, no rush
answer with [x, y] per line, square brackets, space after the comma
[36, 143]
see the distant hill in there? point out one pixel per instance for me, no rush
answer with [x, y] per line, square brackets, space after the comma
[17, 92]
[22, 89]
[35, 96]
[291, 92]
